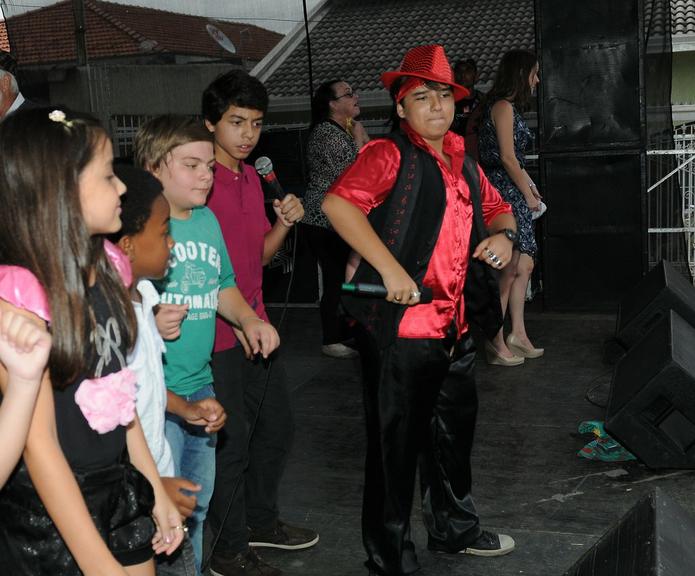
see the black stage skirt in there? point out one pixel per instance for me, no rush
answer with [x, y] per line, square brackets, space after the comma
[120, 500]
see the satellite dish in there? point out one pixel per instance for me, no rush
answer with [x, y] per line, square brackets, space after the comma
[221, 38]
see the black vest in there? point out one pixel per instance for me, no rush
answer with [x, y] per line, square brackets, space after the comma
[408, 223]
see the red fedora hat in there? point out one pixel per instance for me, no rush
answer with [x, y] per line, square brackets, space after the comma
[428, 63]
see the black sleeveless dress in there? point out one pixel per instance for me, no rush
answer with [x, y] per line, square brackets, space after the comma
[119, 498]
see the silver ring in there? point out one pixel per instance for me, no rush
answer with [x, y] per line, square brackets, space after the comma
[397, 298]
[415, 294]
[495, 259]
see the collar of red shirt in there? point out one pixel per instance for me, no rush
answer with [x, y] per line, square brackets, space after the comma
[222, 171]
[453, 146]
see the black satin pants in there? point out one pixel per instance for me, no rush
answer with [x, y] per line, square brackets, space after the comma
[421, 405]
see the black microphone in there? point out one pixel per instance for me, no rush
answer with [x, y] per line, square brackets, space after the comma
[379, 291]
[264, 167]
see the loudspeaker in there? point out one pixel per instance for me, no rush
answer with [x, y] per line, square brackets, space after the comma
[590, 74]
[592, 138]
[593, 234]
[651, 406]
[653, 539]
[663, 289]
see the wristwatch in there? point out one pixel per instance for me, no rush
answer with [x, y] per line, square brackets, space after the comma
[511, 235]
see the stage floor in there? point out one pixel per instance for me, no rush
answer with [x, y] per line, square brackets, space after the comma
[528, 480]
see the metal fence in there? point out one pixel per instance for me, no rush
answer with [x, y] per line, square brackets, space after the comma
[671, 200]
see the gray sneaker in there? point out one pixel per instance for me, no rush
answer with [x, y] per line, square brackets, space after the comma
[490, 544]
[283, 536]
[338, 350]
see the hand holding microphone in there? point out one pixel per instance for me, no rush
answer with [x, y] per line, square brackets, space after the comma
[366, 290]
[288, 207]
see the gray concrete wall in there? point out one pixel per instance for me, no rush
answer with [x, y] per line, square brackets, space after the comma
[106, 90]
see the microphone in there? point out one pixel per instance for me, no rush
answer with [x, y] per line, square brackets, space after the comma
[379, 291]
[264, 167]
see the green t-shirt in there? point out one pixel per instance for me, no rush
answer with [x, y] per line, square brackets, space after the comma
[199, 267]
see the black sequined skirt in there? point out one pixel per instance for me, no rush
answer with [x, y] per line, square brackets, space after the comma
[119, 499]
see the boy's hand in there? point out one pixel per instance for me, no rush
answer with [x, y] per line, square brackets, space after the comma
[168, 318]
[244, 342]
[24, 347]
[207, 412]
[184, 502]
[289, 211]
[401, 288]
[495, 250]
[261, 337]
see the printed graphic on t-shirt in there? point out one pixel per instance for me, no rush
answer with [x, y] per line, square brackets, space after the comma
[194, 271]
[107, 341]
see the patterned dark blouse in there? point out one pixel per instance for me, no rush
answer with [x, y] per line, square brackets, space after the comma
[330, 151]
[491, 162]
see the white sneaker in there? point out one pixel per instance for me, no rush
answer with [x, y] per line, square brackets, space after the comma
[338, 350]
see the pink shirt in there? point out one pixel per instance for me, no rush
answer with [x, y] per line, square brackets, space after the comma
[237, 201]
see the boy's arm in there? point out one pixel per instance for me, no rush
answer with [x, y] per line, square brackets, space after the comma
[207, 412]
[261, 337]
[354, 227]
[497, 243]
[289, 212]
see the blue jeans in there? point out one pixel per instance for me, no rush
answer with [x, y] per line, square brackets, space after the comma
[193, 451]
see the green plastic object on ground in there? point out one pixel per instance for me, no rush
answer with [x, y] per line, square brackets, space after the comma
[602, 447]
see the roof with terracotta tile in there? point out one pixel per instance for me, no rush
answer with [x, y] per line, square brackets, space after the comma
[113, 30]
[4, 41]
[683, 17]
[358, 39]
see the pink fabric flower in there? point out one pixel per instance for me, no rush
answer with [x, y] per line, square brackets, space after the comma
[21, 288]
[109, 401]
[120, 262]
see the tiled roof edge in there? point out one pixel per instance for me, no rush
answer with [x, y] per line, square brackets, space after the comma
[283, 49]
[94, 7]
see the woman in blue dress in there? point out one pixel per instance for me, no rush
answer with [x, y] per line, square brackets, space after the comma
[503, 139]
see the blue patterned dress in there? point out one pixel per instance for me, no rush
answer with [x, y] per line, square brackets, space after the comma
[494, 170]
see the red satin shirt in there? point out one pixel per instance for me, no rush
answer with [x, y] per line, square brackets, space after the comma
[366, 184]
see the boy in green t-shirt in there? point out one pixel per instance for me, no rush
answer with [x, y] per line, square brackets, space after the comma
[199, 285]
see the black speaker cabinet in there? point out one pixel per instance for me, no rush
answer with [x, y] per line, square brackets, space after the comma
[592, 137]
[593, 229]
[590, 74]
[653, 539]
[663, 289]
[651, 406]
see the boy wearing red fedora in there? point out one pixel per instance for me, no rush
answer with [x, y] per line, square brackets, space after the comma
[405, 207]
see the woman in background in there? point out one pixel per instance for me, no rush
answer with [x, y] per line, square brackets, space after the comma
[334, 141]
[504, 137]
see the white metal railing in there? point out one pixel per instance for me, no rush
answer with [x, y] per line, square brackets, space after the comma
[671, 200]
